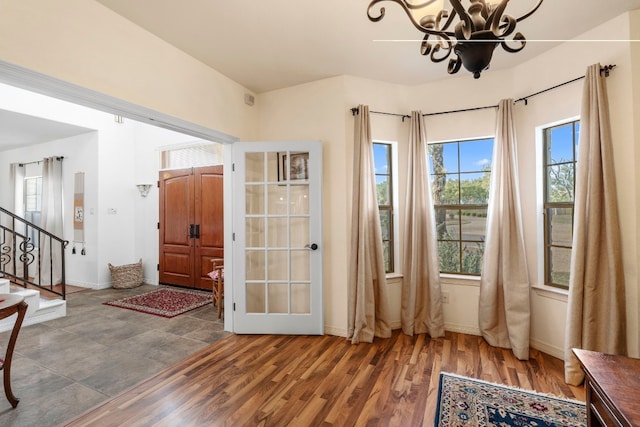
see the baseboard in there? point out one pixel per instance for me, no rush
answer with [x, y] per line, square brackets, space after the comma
[549, 349]
[338, 332]
[462, 329]
[81, 284]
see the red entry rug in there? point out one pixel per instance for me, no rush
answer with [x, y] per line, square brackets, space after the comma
[164, 302]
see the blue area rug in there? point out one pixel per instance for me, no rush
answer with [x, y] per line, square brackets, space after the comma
[465, 402]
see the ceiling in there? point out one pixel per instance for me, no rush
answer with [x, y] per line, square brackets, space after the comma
[20, 130]
[267, 45]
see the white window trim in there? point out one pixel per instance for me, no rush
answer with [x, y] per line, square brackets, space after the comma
[397, 268]
[539, 286]
[450, 278]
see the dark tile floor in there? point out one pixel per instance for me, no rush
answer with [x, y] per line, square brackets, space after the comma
[63, 367]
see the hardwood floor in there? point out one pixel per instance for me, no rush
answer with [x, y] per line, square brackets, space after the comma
[320, 381]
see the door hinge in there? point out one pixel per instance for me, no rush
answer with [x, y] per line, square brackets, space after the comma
[234, 306]
[158, 226]
[158, 267]
[233, 236]
[233, 167]
[158, 184]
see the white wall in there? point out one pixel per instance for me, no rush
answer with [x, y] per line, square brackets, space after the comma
[85, 43]
[114, 157]
[280, 113]
[315, 111]
[80, 155]
[103, 52]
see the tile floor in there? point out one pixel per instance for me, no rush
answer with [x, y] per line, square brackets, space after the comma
[63, 367]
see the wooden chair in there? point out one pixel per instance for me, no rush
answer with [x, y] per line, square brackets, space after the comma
[217, 275]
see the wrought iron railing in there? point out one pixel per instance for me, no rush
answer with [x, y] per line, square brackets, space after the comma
[31, 256]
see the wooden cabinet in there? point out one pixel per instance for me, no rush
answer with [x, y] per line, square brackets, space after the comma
[612, 384]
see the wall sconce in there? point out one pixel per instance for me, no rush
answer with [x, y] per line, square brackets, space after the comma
[144, 189]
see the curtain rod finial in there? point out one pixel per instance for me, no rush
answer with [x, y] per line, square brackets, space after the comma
[354, 111]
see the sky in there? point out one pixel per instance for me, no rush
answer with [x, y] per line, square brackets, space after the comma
[476, 154]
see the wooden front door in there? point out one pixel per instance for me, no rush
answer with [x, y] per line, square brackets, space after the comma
[191, 225]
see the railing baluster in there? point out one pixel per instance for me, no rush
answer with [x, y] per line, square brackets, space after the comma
[20, 252]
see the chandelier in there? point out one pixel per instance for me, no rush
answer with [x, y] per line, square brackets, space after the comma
[476, 33]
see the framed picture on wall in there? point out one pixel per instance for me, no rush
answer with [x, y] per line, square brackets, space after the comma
[297, 168]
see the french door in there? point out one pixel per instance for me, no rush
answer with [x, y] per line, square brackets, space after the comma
[277, 247]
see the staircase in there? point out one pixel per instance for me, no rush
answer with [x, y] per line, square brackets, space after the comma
[39, 310]
[27, 263]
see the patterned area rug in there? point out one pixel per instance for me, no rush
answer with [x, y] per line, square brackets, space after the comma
[469, 402]
[164, 302]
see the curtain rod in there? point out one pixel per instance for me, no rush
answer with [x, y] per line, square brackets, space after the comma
[606, 70]
[356, 110]
[39, 161]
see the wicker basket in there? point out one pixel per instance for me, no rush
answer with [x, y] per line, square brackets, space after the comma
[126, 276]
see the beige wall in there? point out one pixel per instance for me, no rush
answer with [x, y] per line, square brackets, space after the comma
[315, 112]
[85, 43]
[634, 92]
[82, 42]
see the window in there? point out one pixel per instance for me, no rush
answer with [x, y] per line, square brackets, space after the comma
[192, 155]
[460, 177]
[560, 148]
[382, 158]
[33, 204]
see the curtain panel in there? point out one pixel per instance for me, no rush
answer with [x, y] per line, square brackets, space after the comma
[52, 221]
[421, 310]
[596, 318]
[368, 302]
[504, 310]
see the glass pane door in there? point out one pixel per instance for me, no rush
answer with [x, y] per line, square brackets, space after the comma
[280, 241]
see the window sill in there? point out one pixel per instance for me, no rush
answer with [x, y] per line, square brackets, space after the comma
[459, 279]
[551, 292]
[391, 276]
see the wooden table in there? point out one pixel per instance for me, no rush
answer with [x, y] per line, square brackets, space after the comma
[612, 384]
[11, 305]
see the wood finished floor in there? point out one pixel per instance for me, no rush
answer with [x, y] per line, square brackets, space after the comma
[320, 381]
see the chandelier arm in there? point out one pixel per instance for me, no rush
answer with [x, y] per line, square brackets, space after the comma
[495, 18]
[407, 9]
[531, 12]
[454, 65]
[419, 5]
[517, 38]
[467, 25]
[431, 49]
[508, 26]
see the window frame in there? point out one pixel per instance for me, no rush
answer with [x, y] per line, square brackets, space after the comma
[459, 207]
[392, 153]
[546, 206]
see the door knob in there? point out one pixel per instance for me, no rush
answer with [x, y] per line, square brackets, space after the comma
[312, 246]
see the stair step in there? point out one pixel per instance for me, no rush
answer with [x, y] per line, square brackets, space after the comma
[5, 286]
[31, 297]
[38, 310]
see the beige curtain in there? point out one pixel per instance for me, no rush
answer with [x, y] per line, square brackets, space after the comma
[368, 301]
[504, 312]
[52, 221]
[421, 296]
[596, 310]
